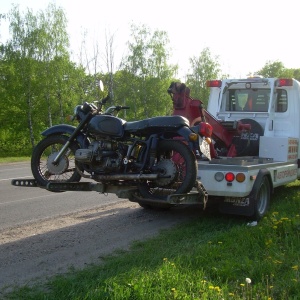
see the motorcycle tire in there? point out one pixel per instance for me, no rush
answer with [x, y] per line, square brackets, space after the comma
[44, 153]
[177, 163]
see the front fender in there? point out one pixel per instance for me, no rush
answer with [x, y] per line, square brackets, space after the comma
[66, 129]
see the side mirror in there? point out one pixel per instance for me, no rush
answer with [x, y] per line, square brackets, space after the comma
[101, 86]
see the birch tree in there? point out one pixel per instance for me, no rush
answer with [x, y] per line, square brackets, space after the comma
[148, 62]
[203, 67]
[40, 67]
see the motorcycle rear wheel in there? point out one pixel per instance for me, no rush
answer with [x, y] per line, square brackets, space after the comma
[44, 153]
[178, 164]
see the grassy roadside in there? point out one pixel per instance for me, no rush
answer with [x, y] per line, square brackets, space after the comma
[215, 257]
[4, 160]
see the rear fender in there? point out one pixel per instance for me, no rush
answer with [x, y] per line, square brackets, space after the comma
[67, 129]
[185, 132]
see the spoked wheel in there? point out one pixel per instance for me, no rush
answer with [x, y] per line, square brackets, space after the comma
[42, 166]
[177, 169]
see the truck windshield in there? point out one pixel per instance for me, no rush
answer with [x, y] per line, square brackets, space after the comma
[253, 100]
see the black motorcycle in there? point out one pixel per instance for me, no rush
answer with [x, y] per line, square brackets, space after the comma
[155, 155]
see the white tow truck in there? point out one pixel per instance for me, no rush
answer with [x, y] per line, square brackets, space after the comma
[253, 148]
[246, 167]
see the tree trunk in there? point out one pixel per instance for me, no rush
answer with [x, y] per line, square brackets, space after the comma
[29, 119]
[49, 110]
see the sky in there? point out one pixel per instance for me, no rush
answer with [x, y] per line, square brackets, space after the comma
[242, 35]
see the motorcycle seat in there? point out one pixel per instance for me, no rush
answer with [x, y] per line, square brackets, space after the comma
[167, 122]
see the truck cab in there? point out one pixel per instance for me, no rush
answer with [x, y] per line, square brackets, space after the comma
[272, 102]
[270, 105]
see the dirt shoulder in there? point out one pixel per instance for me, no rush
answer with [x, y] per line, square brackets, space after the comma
[34, 252]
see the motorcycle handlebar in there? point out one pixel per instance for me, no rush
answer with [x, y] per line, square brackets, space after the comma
[119, 107]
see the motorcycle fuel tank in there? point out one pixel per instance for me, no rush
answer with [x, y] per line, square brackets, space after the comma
[105, 125]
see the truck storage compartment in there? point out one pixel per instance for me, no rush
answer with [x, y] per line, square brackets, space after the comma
[279, 148]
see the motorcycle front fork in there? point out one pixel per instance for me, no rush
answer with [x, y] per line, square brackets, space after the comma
[61, 153]
[71, 138]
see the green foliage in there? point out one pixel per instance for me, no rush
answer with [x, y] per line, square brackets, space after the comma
[277, 69]
[148, 54]
[147, 73]
[40, 84]
[204, 68]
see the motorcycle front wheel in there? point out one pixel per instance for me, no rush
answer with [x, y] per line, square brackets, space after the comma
[177, 168]
[42, 166]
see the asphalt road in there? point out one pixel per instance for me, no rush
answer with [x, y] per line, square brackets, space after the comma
[20, 205]
[43, 234]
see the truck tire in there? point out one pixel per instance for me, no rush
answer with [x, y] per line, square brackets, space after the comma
[249, 146]
[262, 198]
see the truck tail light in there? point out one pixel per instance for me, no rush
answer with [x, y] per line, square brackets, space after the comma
[219, 176]
[240, 177]
[229, 177]
[284, 82]
[214, 83]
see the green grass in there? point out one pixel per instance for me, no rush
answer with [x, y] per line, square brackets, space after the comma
[214, 257]
[13, 159]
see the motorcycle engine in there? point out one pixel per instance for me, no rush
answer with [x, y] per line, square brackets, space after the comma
[101, 156]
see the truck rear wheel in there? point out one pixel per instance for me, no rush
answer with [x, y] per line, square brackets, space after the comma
[262, 199]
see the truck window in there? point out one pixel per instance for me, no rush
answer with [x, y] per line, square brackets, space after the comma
[252, 100]
[281, 101]
[234, 100]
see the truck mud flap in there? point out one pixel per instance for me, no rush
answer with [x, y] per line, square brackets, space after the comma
[237, 206]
